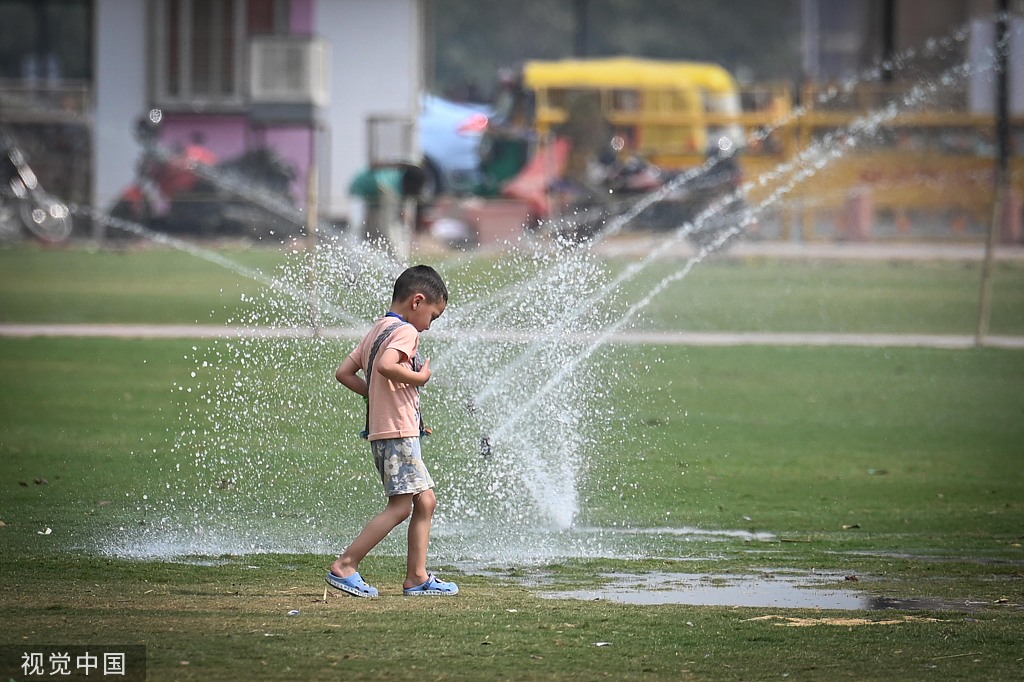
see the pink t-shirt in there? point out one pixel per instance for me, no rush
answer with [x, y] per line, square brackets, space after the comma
[394, 407]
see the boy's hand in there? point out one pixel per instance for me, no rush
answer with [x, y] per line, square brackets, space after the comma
[389, 365]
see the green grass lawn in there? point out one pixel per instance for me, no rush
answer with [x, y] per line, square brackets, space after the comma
[143, 285]
[828, 296]
[723, 294]
[898, 466]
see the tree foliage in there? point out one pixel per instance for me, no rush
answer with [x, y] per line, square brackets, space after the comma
[473, 41]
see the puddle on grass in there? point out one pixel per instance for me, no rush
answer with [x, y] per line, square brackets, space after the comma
[795, 591]
[939, 558]
[764, 590]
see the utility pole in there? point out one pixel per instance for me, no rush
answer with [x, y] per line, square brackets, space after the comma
[1002, 188]
[888, 39]
[581, 19]
[312, 240]
[810, 27]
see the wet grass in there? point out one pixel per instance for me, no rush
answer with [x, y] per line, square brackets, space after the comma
[231, 622]
[898, 466]
[902, 442]
[931, 493]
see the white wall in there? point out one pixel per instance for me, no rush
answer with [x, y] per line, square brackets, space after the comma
[120, 94]
[982, 85]
[376, 66]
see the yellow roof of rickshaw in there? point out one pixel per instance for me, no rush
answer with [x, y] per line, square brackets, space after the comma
[627, 72]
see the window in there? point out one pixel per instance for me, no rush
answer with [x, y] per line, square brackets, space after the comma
[200, 48]
[268, 17]
[46, 40]
[625, 100]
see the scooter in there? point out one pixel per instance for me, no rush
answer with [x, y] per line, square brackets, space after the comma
[23, 203]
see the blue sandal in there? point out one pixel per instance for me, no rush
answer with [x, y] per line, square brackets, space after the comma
[353, 585]
[433, 587]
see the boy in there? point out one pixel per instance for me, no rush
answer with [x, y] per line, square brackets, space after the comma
[392, 376]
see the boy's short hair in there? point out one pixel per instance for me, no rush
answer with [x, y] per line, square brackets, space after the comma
[420, 279]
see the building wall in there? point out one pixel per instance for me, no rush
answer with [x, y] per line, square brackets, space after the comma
[231, 136]
[982, 86]
[376, 68]
[225, 136]
[847, 37]
[120, 92]
[303, 17]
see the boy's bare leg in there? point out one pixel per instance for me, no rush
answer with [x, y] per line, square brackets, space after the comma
[419, 538]
[396, 511]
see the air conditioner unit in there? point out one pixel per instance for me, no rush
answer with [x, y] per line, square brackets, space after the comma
[288, 70]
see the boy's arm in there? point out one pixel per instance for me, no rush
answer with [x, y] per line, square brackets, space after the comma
[346, 374]
[389, 364]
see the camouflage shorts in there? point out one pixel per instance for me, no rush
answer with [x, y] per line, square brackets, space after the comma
[400, 465]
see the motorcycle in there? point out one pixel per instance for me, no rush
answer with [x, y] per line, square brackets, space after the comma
[187, 191]
[707, 200]
[24, 203]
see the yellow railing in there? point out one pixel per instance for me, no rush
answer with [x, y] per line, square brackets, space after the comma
[939, 163]
[935, 163]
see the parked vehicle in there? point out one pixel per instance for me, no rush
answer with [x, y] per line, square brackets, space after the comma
[670, 113]
[450, 135]
[23, 203]
[581, 137]
[187, 191]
